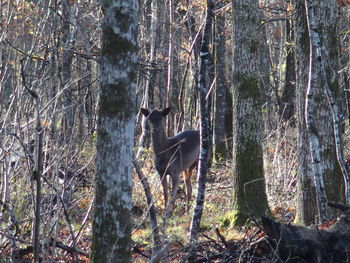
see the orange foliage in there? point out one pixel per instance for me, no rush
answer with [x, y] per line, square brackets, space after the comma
[343, 2]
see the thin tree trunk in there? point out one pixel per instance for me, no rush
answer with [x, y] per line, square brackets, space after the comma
[38, 166]
[67, 59]
[219, 135]
[286, 107]
[170, 69]
[204, 126]
[156, 246]
[148, 97]
[37, 173]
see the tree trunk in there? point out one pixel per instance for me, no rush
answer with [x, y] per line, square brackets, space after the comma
[287, 107]
[306, 204]
[313, 134]
[323, 39]
[148, 97]
[323, 115]
[249, 196]
[295, 243]
[111, 239]
[67, 58]
[204, 125]
[219, 135]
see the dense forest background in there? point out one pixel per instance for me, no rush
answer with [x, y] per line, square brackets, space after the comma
[266, 82]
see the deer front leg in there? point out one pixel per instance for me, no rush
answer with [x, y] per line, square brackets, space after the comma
[175, 185]
[175, 180]
[164, 181]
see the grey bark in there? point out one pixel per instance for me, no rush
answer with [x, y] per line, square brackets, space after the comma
[325, 59]
[148, 97]
[67, 59]
[156, 245]
[111, 239]
[328, 159]
[249, 195]
[204, 125]
[314, 140]
[220, 109]
[306, 204]
[287, 107]
[37, 169]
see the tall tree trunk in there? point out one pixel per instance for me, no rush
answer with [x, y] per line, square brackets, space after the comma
[324, 76]
[325, 154]
[111, 240]
[219, 135]
[204, 125]
[249, 196]
[306, 204]
[171, 126]
[286, 107]
[67, 58]
[314, 137]
[148, 97]
[326, 23]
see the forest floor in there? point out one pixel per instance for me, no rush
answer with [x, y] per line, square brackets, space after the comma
[217, 241]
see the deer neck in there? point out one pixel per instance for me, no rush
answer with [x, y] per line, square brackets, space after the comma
[160, 141]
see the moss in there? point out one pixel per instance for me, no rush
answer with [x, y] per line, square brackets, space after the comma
[220, 152]
[114, 44]
[248, 86]
[249, 194]
[314, 130]
[254, 45]
[115, 100]
[249, 159]
[333, 43]
[235, 217]
[297, 220]
[334, 87]
[109, 217]
[334, 181]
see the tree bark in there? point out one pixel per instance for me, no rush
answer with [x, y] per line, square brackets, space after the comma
[219, 134]
[204, 125]
[67, 59]
[324, 72]
[156, 246]
[111, 240]
[306, 204]
[249, 196]
[150, 83]
[287, 105]
[295, 243]
[325, 116]
[314, 140]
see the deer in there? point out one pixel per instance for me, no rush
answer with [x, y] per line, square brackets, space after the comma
[173, 155]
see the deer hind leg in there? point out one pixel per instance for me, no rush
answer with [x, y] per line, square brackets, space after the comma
[188, 184]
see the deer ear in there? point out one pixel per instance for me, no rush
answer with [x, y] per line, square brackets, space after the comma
[166, 111]
[144, 112]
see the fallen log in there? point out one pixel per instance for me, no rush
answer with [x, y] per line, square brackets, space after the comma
[294, 243]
